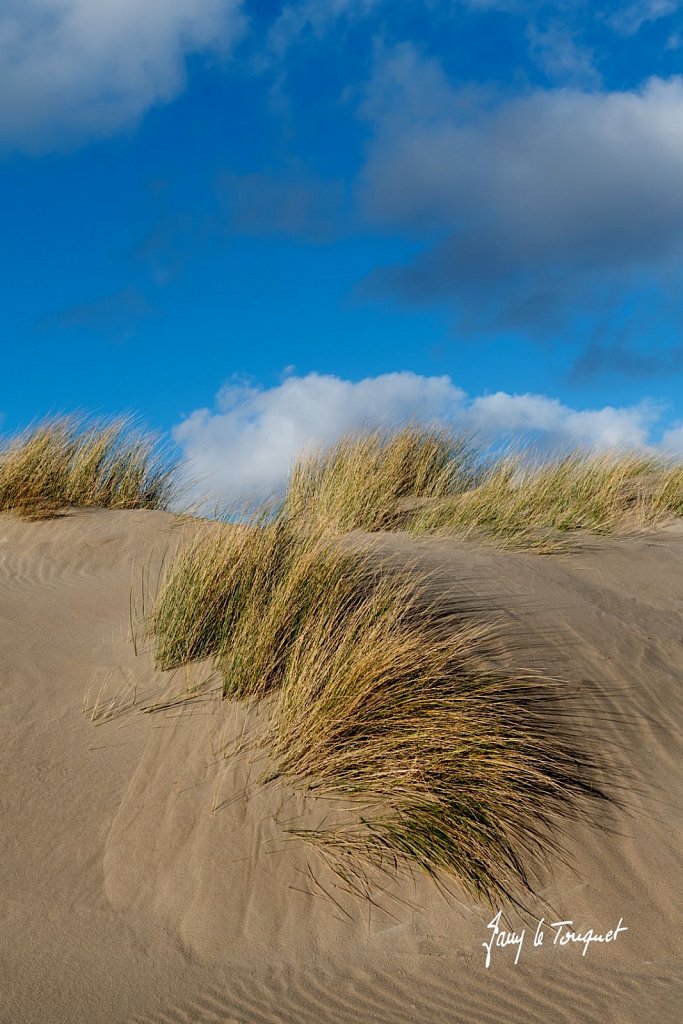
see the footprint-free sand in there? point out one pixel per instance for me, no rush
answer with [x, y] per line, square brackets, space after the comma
[125, 900]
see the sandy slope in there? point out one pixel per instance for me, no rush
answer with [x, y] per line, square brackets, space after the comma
[123, 899]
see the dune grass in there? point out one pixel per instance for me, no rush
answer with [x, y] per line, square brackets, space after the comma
[358, 482]
[377, 692]
[432, 481]
[70, 460]
[240, 593]
[379, 695]
[522, 502]
[461, 771]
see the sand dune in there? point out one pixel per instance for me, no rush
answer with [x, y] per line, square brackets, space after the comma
[126, 901]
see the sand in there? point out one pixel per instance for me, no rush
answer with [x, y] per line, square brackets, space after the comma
[123, 898]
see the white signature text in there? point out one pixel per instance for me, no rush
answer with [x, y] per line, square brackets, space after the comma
[560, 933]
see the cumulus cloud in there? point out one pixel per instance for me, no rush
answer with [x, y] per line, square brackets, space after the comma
[87, 67]
[531, 208]
[244, 447]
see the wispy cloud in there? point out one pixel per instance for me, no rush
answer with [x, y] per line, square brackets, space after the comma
[563, 60]
[115, 315]
[300, 18]
[630, 18]
[244, 447]
[293, 203]
[75, 68]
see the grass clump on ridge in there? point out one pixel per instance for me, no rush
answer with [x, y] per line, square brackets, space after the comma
[522, 503]
[380, 696]
[358, 482]
[432, 481]
[72, 461]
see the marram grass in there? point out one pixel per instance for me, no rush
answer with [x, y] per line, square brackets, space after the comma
[379, 696]
[377, 693]
[521, 502]
[240, 594]
[69, 461]
[358, 482]
[430, 481]
[459, 770]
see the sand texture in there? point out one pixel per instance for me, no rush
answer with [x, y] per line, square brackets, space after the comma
[125, 900]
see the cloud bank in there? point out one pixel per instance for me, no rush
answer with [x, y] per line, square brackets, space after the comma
[73, 68]
[244, 448]
[531, 209]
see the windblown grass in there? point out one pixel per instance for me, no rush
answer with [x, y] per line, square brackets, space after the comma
[458, 770]
[71, 461]
[377, 692]
[380, 696]
[357, 482]
[522, 503]
[240, 594]
[432, 481]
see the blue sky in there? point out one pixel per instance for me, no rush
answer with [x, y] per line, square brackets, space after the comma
[258, 223]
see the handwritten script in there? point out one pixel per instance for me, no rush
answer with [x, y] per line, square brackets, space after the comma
[559, 933]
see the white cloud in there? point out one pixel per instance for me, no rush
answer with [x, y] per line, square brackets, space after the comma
[73, 68]
[244, 448]
[672, 440]
[555, 425]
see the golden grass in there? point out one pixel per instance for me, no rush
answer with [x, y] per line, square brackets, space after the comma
[357, 482]
[460, 770]
[240, 593]
[72, 461]
[525, 503]
[376, 694]
[432, 481]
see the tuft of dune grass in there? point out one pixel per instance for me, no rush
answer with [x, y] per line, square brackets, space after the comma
[69, 460]
[357, 482]
[377, 694]
[458, 770]
[521, 502]
[240, 593]
[431, 481]
[461, 770]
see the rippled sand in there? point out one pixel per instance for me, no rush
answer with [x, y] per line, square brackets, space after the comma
[124, 899]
